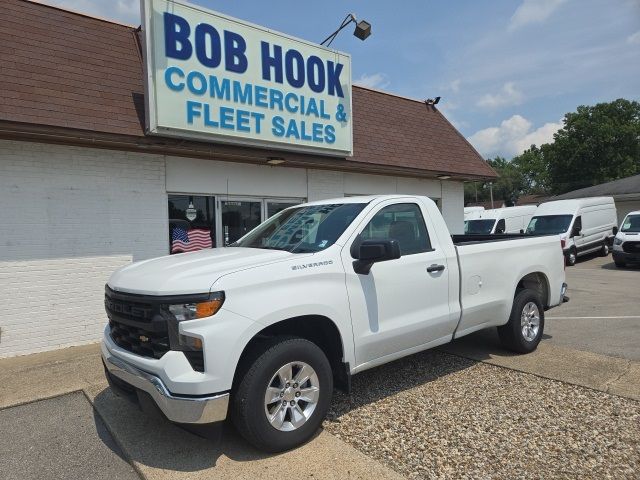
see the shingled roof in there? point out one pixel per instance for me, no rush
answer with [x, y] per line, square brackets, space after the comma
[624, 187]
[72, 78]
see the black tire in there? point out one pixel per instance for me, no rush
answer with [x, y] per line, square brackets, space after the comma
[248, 398]
[620, 264]
[511, 335]
[571, 257]
[604, 251]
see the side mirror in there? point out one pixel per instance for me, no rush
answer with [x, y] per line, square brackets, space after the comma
[368, 252]
[521, 231]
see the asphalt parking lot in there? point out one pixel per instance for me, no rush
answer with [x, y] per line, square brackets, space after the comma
[603, 315]
[470, 409]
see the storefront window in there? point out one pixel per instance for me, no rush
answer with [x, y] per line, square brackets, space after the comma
[274, 207]
[191, 223]
[194, 220]
[238, 218]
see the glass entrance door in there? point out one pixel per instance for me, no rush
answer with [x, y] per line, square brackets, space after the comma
[238, 217]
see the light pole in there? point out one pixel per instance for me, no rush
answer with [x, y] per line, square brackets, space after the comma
[362, 30]
[491, 193]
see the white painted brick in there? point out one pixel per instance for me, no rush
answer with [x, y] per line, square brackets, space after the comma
[69, 217]
[324, 184]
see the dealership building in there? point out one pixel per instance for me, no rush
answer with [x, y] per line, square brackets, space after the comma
[111, 151]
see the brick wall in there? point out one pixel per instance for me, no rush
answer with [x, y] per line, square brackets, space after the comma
[69, 216]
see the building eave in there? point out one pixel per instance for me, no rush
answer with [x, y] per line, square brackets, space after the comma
[210, 151]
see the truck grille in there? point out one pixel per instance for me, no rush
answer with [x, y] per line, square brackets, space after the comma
[631, 247]
[139, 341]
[137, 326]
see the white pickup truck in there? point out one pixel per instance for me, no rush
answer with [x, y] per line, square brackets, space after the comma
[261, 331]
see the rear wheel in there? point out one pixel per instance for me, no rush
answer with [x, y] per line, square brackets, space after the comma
[604, 251]
[284, 395]
[620, 263]
[523, 331]
[572, 256]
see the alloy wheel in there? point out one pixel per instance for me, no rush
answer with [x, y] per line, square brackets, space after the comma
[530, 321]
[291, 396]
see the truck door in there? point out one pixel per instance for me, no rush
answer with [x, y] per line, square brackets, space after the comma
[404, 303]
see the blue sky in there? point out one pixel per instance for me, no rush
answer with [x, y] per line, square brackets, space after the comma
[507, 70]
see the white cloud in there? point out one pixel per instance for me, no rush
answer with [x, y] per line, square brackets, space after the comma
[508, 96]
[455, 85]
[533, 11]
[376, 80]
[634, 38]
[512, 137]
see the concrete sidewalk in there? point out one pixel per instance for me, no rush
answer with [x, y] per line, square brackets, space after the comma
[155, 448]
[612, 375]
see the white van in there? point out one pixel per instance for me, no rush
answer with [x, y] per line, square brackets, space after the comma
[626, 245]
[584, 224]
[500, 220]
[472, 212]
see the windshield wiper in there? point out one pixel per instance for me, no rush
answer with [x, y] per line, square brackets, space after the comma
[303, 250]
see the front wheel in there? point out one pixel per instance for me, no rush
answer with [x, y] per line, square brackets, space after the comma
[284, 395]
[523, 331]
[604, 251]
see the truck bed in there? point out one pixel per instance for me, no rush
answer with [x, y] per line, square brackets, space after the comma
[490, 263]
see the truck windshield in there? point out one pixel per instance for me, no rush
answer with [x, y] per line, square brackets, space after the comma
[302, 229]
[631, 224]
[479, 226]
[549, 224]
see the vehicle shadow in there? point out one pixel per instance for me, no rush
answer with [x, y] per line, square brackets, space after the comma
[392, 378]
[629, 266]
[150, 440]
[419, 369]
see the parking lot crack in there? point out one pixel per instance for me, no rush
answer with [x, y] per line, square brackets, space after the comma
[625, 370]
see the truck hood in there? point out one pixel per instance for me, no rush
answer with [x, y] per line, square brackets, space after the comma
[188, 273]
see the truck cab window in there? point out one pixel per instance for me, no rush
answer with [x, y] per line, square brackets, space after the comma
[401, 222]
[501, 227]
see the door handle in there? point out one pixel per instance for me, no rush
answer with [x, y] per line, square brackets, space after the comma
[435, 268]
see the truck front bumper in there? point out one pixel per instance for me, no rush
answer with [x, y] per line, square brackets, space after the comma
[180, 409]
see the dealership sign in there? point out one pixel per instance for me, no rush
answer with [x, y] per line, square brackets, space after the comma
[212, 77]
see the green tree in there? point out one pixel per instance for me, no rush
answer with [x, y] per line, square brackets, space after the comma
[534, 168]
[507, 187]
[597, 144]
[511, 184]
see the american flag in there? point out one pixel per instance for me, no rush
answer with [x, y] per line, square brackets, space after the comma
[189, 240]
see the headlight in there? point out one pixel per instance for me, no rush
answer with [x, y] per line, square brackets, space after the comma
[192, 311]
[617, 241]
